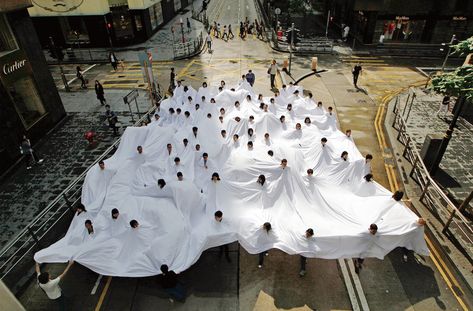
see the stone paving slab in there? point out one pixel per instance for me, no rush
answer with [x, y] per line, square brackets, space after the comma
[457, 162]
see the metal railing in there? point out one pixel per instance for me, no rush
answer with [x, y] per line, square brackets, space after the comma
[189, 48]
[16, 258]
[432, 196]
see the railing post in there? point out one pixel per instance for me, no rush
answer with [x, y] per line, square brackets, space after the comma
[407, 146]
[68, 203]
[414, 166]
[424, 192]
[33, 235]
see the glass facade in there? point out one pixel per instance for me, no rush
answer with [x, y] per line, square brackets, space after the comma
[400, 29]
[7, 40]
[26, 100]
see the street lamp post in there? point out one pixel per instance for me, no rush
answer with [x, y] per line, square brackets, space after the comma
[290, 47]
[448, 135]
[326, 27]
[182, 30]
[448, 51]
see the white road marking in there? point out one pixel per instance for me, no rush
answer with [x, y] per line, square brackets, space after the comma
[359, 289]
[96, 285]
[349, 286]
[74, 79]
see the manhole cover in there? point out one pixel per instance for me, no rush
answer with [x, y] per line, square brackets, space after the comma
[192, 75]
[121, 76]
[141, 85]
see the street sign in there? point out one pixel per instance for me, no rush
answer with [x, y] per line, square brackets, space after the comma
[277, 11]
[130, 96]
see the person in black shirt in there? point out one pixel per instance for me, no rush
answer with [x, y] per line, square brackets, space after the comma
[172, 78]
[356, 72]
[171, 285]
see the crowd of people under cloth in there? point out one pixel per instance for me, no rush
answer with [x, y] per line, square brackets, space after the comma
[169, 278]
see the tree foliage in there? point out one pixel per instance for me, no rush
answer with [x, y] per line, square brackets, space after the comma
[464, 47]
[456, 83]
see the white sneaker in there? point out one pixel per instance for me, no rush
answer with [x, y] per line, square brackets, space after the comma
[171, 300]
[28, 167]
[260, 266]
[40, 160]
[404, 258]
[266, 254]
[302, 273]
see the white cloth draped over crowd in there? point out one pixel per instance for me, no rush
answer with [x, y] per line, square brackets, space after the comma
[176, 222]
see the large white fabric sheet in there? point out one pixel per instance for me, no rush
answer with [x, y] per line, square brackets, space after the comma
[177, 222]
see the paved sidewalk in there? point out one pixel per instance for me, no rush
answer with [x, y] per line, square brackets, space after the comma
[456, 175]
[24, 193]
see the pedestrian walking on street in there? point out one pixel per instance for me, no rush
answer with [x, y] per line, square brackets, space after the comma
[172, 80]
[309, 233]
[266, 227]
[209, 42]
[51, 286]
[242, 30]
[219, 34]
[112, 119]
[225, 34]
[80, 76]
[113, 60]
[357, 70]
[30, 155]
[188, 25]
[444, 105]
[272, 71]
[100, 93]
[250, 77]
[373, 229]
[171, 285]
[230, 32]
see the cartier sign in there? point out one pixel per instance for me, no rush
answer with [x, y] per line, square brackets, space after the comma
[11, 67]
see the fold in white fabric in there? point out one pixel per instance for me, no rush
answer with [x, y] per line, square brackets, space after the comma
[176, 222]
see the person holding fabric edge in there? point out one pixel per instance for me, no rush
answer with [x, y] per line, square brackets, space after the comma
[51, 286]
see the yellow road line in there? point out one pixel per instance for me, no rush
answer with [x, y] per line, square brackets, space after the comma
[103, 294]
[184, 70]
[436, 259]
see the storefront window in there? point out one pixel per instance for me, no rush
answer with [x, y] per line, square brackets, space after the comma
[401, 29]
[122, 23]
[27, 101]
[152, 17]
[7, 40]
[74, 30]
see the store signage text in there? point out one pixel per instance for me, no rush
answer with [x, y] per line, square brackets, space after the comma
[12, 67]
[402, 17]
[459, 18]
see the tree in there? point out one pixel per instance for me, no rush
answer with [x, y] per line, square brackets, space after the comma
[464, 47]
[459, 82]
[456, 83]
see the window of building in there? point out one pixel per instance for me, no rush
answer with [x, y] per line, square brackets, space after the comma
[122, 23]
[7, 40]
[401, 29]
[26, 100]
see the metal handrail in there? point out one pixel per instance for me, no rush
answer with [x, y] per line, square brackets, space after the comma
[419, 166]
[28, 238]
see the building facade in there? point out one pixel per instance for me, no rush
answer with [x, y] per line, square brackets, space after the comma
[30, 103]
[101, 23]
[404, 21]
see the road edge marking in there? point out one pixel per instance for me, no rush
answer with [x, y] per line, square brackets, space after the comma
[103, 294]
